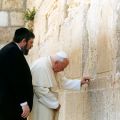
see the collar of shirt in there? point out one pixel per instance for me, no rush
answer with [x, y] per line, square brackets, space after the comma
[18, 45]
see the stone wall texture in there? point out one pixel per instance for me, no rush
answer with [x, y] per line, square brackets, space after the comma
[89, 31]
[11, 18]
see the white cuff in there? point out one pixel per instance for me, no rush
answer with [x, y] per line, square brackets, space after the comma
[22, 104]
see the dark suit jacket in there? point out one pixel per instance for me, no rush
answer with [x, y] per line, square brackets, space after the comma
[15, 81]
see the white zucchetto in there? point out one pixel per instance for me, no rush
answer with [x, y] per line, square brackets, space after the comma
[62, 54]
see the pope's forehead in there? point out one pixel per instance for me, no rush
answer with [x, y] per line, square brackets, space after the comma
[66, 61]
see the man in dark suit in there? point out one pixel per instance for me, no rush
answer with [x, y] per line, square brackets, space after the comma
[16, 91]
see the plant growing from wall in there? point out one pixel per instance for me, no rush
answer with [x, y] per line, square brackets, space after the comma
[29, 18]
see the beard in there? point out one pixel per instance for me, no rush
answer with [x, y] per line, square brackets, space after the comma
[25, 50]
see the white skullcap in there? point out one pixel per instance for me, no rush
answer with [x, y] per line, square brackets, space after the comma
[62, 54]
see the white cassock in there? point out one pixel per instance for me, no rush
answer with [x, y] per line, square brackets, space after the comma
[45, 87]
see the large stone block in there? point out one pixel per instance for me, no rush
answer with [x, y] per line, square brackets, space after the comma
[34, 3]
[6, 34]
[118, 64]
[104, 55]
[0, 4]
[74, 106]
[17, 18]
[118, 41]
[102, 83]
[104, 105]
[101, 34]
[13, 4]
[3, 19]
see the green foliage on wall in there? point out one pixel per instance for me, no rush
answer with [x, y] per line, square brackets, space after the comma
[30, 14]
[29, 18]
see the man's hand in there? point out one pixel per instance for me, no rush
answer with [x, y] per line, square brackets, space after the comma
[26, 111]
[85, 80]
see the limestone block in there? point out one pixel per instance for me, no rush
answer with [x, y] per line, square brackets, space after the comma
[0, 4]
[118, 64]
[101, 83]
[104, 55]
[101, 34]
[4, 19]
[74, 105]
[118, 45]
[104, 105]
[6, 34]
[13, 4]
[35, 3]
[17, 18]
[117, 16]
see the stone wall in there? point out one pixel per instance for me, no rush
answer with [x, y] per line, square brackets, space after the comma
[89, 31]
[11, 17]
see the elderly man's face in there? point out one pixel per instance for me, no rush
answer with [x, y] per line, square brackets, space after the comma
[60, 66]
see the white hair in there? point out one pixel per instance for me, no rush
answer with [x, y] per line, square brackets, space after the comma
[60, 56]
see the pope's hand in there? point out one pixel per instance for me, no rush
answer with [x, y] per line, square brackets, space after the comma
[57, 109]
[26, 111]
[85, 80]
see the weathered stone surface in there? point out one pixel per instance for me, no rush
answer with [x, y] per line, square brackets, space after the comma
[118, 45]
[72, 105]
[89, 31]
[118, 64]
[0, 4]
[34, 3]
[62, 32]
[13, 4]
[11, 16]
[6, 34]
[101, 34]
[104, 104]
[17, 18]
[96, 104]
[4, 19]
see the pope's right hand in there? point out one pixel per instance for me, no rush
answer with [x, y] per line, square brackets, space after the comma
[85, 80]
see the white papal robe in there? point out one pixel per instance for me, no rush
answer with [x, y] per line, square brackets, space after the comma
[45, 87]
